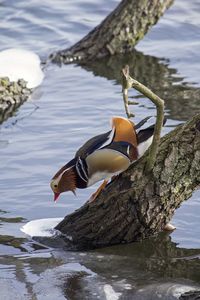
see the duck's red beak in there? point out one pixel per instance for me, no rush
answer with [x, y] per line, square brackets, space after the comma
[56, 195]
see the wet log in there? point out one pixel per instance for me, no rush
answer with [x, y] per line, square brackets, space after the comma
[119, 32]
[139, 204]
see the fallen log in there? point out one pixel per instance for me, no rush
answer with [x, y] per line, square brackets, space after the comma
[139, 204]
[119, 32]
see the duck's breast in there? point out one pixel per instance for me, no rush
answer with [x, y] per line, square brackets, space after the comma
[105, 163]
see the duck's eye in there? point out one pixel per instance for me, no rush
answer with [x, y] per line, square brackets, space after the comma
[55, 185]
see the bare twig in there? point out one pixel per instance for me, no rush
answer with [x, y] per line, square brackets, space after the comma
[126, 84]
[129, 82]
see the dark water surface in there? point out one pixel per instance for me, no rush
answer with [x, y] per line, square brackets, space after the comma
[73, 104]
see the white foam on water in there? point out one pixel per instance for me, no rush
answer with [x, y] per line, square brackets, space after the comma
[21, 64]
[110, 293]
[41, 227]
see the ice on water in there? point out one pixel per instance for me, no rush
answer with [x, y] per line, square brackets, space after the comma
[41, 227]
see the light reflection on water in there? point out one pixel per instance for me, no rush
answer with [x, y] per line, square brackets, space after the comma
[73, 104]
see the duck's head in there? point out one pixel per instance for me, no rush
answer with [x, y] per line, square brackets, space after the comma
[64, 180]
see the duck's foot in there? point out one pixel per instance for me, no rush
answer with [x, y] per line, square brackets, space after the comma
[169, 227]
[98, 191]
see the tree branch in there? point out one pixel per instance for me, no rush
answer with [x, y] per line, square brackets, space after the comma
[119, 32]
[127, 83]
[137, 204]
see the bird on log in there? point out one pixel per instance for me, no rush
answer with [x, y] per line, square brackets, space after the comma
[105, 156]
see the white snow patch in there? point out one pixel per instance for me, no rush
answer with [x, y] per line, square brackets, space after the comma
[41, 227]
[21, 64]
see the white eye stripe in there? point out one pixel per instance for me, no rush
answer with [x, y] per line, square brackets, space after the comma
[110, 139]
[56, 180]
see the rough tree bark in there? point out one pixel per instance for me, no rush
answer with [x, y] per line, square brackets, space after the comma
[137, 205]
[118, 33]
[12, 95]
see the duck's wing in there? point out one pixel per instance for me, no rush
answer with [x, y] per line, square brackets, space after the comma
[95, 143]
[141, 123]
[145, 128]
[145, 131]
[125, 148]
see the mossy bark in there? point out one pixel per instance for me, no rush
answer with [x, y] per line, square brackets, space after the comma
[137, 204]
[118, 33]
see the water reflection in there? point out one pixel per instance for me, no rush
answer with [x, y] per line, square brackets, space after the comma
[161, 257]
[154, 73]
[156, 264]
[181, 98]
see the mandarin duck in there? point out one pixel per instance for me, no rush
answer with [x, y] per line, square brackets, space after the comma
[104, 156]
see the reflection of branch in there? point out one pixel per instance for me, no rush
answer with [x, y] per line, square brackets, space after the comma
[157, 255]
[155, 74]
[128, 82]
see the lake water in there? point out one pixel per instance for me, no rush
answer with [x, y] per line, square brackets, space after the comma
[73, 104]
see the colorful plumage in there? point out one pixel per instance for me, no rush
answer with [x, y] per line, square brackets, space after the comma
[104, 156]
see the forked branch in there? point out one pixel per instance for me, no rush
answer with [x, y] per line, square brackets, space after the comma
[127, 83]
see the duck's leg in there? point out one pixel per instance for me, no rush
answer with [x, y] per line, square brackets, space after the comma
[98, 191]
